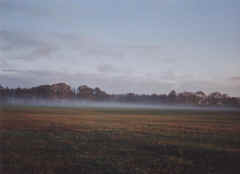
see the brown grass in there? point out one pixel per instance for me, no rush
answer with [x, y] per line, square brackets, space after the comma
[123, 142]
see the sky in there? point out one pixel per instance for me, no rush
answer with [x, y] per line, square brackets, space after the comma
[140, 46]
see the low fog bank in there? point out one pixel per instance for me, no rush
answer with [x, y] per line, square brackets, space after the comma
[111, 105]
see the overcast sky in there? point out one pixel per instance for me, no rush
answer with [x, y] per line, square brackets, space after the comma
[141, 46]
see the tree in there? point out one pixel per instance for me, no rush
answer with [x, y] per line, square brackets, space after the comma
[172, 96]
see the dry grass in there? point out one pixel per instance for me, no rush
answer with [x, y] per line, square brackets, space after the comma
[118, 141]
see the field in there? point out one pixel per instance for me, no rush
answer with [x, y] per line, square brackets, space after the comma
[48, 140]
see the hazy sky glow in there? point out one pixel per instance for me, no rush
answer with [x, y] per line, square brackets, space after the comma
[141, 46]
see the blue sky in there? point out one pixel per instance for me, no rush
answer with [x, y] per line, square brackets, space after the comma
[137, 46]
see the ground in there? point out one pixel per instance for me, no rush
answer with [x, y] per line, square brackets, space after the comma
[48, 140]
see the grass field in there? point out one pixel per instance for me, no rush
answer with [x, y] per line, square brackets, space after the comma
[48, 140]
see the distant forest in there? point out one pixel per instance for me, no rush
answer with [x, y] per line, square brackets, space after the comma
[64, 91]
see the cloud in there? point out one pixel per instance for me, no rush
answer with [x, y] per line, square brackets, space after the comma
[107, 68]
[4, 64]
[112, 84]
[10, 70]
[115, 82]
[12, 40]
[26, 7]
[6, 4]
[26, 46]
[209, 86]
[110, 69]
[30, 46]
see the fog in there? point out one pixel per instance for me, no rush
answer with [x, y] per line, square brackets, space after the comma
[111, 105]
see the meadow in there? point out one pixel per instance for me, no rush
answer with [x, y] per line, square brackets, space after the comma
[49, 140]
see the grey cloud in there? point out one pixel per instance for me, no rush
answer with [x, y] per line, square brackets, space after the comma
[10, 70]
[112, 84]
[112, 69]
[4, 64]
[194, 85]
[169, 60]
[42, 52]
[144, 47]
[26, 45]
[55, 50]
[88, 46]
[23, 7]
[13, 40]
[107, 68]
[169, 75]
[172, 76]
[209, 86]
[6, 4]
[150, 53]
